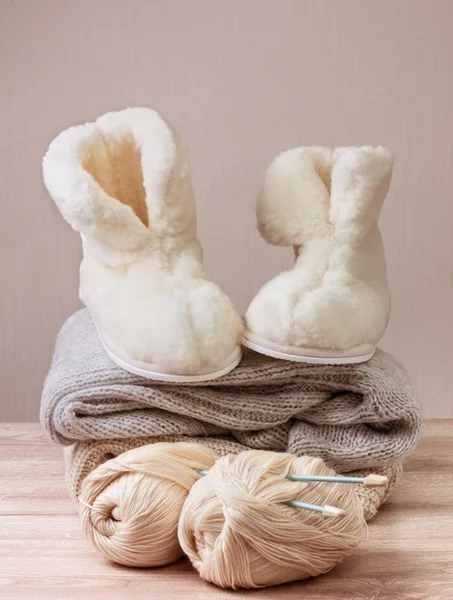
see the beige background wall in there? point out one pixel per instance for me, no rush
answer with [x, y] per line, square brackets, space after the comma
[242, 80]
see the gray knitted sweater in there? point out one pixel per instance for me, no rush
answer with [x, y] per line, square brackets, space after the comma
[352, 416]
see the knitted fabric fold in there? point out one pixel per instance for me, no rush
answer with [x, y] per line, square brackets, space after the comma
[351, 416]
[84, 457]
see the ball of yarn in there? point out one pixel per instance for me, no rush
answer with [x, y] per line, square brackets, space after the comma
[130, 505]
[238, 531]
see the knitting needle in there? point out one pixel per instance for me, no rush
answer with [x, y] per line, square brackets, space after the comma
[369, 481]
[327, 511]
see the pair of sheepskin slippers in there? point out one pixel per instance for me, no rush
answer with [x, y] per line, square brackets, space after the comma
[124, 183]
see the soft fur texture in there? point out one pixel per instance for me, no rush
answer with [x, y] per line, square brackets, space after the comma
[325, 203]
[123, 182]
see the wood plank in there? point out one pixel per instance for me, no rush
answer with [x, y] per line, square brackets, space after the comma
[43, 555]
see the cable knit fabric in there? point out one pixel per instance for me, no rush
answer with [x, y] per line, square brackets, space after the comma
[84, 457]
[351, 416]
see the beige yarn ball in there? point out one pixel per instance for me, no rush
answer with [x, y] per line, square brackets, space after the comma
[238, 531]
[130, 505]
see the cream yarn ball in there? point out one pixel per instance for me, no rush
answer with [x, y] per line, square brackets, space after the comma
[238, 532]
[130, 505]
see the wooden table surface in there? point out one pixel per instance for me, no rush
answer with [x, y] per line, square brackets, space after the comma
[409, 553]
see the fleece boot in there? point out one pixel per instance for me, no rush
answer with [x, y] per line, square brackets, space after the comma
[334, 304]
[123, 183]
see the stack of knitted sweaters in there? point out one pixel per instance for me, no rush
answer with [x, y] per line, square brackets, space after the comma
[357, 418]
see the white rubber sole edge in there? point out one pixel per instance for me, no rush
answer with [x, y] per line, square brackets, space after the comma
[153, 371]
[306, 355]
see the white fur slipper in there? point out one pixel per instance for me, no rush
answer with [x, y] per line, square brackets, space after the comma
[334, 305]
[124, 183]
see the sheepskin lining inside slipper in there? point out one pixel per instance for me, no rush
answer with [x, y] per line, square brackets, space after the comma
[116, 166]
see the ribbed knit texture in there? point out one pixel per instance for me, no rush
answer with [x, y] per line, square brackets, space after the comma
[84, 457]
[352, 416]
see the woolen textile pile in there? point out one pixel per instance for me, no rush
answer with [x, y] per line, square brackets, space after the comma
[351, 416]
